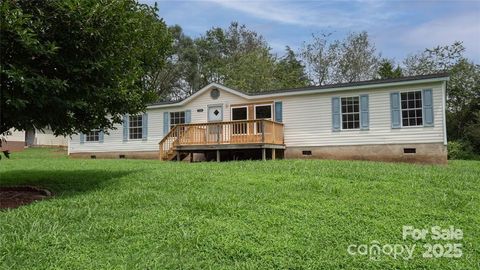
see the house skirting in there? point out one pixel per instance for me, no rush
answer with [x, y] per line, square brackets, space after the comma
[116, 155]
[433, 153]
[48, 146]
[428, 153]
[13, 146]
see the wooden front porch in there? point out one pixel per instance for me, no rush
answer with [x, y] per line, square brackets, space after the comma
[186, 139]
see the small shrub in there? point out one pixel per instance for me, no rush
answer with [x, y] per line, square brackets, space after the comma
[460, 150]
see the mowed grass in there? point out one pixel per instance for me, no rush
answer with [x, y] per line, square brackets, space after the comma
[296, 214]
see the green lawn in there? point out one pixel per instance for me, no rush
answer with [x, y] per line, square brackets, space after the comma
[126, 214]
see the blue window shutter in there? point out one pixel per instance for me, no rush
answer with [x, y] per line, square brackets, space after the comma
[278, 111]
[145, 126]
[188, 116]
[125, 128]
[82, 137]
[166, 123]
[364, 115]
[427, 108]
[335, 113]
[395, 109]
[100, 136]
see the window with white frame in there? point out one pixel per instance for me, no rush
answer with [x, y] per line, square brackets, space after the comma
[240, 113]
[135, 127]
[350, 113]
[412, 114]
[93, 136]
[263, 112]
[177, 118]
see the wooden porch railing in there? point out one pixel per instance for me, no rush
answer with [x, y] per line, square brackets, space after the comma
[231, 132]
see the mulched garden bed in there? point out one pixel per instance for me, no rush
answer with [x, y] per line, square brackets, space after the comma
[13, 197]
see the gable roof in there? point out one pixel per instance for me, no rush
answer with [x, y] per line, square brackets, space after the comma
[437, 77]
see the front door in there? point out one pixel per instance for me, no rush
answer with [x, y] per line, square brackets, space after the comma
[215, 132]
[215, 113]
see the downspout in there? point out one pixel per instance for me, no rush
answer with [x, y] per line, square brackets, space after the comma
[444, 97]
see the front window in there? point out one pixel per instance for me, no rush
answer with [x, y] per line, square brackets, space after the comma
[412, 108]
[93, 136]
[240, 113]
[350, 113]
[135, 127]
[263, 112]
[177, 118]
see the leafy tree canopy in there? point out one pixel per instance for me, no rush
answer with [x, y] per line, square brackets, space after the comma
[236, 56]
[386, 70]
[76, 65]
[353, 58]
[290, 71]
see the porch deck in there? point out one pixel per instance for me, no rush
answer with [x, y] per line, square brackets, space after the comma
[186, 139]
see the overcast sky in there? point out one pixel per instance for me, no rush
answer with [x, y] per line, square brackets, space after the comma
[398, 28]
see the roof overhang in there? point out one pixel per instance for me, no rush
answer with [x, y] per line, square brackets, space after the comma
[293, 92]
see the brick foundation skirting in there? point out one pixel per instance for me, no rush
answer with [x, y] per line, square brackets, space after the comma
[428, 153]
[117, 155]
[433, 153]
[13, 146]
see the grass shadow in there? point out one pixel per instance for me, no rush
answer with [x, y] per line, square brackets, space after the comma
[63, 182]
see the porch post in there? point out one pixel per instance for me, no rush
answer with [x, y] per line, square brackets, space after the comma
[178, 156]
[218, 155]
[273, 153]
[264, 154]
[263, 131]
[274, 135]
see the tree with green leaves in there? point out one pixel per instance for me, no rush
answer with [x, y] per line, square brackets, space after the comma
[77, 65]
[437, 59]
[289, 71]
[357, 59]
[339, 61]
[180, 76]
[241, 58]
[237, 57]
[386, 70]
[319, 56]
[252, 71]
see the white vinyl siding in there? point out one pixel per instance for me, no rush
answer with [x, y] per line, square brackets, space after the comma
[45, 137]
[16, 135]
[308, 120]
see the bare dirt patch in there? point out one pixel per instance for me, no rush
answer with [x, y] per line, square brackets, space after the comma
[15, 196]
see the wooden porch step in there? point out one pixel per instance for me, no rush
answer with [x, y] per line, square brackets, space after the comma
[172, 156]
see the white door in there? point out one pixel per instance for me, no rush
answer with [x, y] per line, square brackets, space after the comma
[215, 113]
[215, 132]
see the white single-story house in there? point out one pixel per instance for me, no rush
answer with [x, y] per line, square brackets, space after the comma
[17, 140]
[399, 119]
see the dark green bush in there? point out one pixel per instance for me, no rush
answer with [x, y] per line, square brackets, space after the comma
[461, 150]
